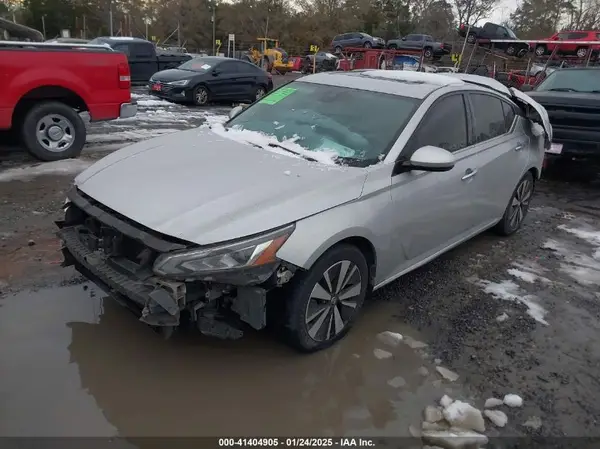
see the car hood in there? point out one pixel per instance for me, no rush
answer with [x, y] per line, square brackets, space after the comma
[174, 75]
[565, 98]
[205, 188]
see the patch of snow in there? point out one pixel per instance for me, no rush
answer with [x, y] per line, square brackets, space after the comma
[423, 371]
[64, 167]
[390, 338]
[513, 400]
[493, 402]
[127, 136]
[447, 374]
[509, 291]
[263, 140]
[503, 317]
[581, 267]
[454, 438]
[414, 344]
[523, 275]
[464, 415]
[433, 414]
[287, 173]
[381, 354]
[533, 422]
[498, 417]
[446, 401]
[589, 235]
[153, 102]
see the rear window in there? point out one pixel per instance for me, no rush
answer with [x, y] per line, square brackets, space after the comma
[197, 65]
[331, 119]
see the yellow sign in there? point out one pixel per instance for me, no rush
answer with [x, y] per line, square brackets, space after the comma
[218, 42]
[455, 57]
[314, 48]
[153, 38]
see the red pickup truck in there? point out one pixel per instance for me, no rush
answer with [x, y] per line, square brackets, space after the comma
[45, 89]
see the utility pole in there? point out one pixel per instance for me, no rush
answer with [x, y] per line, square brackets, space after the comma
[110, 15]
[44, 26]
[178, 34]
[212, 19]
[84, 26]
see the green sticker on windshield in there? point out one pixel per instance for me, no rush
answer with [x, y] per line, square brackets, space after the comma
[278, 95]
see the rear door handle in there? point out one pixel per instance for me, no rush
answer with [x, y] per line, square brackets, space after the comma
[469, 173]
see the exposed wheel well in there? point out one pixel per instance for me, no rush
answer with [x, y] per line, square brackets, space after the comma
[535, 172]
[54, 93]
[366, 247]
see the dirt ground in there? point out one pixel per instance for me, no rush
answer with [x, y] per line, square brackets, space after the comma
[508, 315]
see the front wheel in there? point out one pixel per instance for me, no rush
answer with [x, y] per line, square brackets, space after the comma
[517, 208]
[52, 131]
[326, 299]
[540, 50]
[259, 92]
[511, 50]
[201, 96]
[367, 45]
[581, 52]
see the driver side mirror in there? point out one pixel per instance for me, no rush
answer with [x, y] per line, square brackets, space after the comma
[427, 158]
[404, 38]
[235, 111]
[215, 72]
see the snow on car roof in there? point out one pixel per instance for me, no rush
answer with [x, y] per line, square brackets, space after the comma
[414, 77]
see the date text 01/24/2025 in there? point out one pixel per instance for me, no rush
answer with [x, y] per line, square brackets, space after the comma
[295, 442]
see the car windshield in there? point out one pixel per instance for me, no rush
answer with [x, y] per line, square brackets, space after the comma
[572, 81]
[197, 65]
[511, 33]
[357, 126]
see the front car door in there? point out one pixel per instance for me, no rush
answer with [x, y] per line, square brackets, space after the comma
[434, 208]
[500, 154]
[224, 81]
[413, 41]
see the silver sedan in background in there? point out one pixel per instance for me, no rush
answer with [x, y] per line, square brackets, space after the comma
[303, 203]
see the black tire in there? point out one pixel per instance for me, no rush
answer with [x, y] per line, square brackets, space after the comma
[35, 123]
[581, 52]
[393, 47]
[508, 225]
[367, 44]
[259, 92]
[471, 38]
[540, 50]
[427, 53]
[511, 50]
[338, 50]
[201, 96]
[303, 286]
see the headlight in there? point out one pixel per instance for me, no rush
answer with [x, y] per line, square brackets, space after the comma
[253, 252]
[178, 83]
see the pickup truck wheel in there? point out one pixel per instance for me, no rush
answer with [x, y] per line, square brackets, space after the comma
[393, 47]
[326, 299]
[517, 208]
[540, 50]
[428, 53]
[471, 38]
[511, 50]
[52, 131]
[201, 96]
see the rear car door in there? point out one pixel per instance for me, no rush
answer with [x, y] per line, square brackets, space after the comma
[225, 81]
[247, 79]
[575, 36]
[434, 208]
[500, 154]
[414, 41]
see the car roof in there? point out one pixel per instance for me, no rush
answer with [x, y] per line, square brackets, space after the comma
[396, 82]
[216, 58]
[580, 68]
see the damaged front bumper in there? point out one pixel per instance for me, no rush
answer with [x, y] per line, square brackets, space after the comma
[118, 255]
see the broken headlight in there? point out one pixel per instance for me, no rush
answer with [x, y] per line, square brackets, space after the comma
[253, 252]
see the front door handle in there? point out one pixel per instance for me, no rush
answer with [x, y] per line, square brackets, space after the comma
[469, 173]
[519, 147]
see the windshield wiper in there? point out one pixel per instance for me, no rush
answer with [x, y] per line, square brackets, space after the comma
[276, 145]
[563, 89]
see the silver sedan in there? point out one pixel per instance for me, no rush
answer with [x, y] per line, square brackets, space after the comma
[300, 205]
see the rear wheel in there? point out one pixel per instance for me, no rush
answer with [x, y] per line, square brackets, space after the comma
[338, 49]
[581, 52]
[52, 131]
[428, 52]
[201, 96]
[471, 38]
[393, 47]
[326, 299]
[367, 45]
[259, 92]
[517, 208]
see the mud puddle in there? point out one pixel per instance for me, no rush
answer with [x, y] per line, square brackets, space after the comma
[75, 363]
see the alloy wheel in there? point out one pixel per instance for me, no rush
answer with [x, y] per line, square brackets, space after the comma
[260, 92]
[201, 96]
[55, 133]
[333, 300]
[539, 51]
[520, 203]
[581, 52]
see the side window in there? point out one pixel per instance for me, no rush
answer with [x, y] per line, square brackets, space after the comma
[142, 50]
[444, 125]
[346, 36]
[338, 37]
[123, 48]
[563, 36]
[509, 115]
[501, 32]
[428, 38]
[488, 116]
[576, 36]
[228, 67]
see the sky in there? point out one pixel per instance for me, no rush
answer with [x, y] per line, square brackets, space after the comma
[502, 11]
